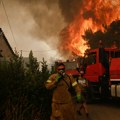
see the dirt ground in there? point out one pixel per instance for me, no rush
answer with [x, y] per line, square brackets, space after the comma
[102, 111]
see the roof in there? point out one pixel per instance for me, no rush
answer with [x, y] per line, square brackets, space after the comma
[6, 41]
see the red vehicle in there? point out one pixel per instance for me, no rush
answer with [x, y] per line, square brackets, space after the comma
[71, 68]
[102, 70]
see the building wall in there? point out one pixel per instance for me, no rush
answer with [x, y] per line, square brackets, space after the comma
[7, 51]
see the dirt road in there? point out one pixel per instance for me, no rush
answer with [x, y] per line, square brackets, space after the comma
[102, 111]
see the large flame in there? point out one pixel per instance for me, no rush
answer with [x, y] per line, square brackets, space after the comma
[92, 14]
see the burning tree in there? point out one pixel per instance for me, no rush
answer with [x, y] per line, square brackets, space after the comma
[91, 21]
[110, 36]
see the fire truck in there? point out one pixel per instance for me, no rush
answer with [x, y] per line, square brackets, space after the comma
[71, 68]
[102, 70]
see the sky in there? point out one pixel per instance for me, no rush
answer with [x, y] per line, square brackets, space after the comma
[34, 26]
[50, 28]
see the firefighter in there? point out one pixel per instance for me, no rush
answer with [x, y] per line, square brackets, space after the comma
[62, 105]
[83, 85]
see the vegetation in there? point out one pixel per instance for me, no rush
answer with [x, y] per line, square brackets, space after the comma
[23, 95]
[110, 35]
[22, 91]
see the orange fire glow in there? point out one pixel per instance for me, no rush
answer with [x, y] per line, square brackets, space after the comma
[92, 14]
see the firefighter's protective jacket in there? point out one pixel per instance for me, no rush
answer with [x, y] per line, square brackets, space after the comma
[61, 93]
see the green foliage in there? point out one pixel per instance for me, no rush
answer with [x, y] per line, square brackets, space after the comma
[110, 35]
[32, 71]
[44, 70]
[33, 65]
[22, 91]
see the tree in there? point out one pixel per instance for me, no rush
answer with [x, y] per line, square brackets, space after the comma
[32, 71]
[22, 90]
[110, 35]
[44, 71]
[46, 95]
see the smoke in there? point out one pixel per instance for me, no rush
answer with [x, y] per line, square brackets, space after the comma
[47, 17]
[69, 8]
[55, 20]
[50, 17]
[82, 15]
[88, 9]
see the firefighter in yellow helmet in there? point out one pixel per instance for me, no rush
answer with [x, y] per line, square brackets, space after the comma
[62, 105]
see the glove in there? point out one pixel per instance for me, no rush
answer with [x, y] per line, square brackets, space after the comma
[79, 98]
[58, 77]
